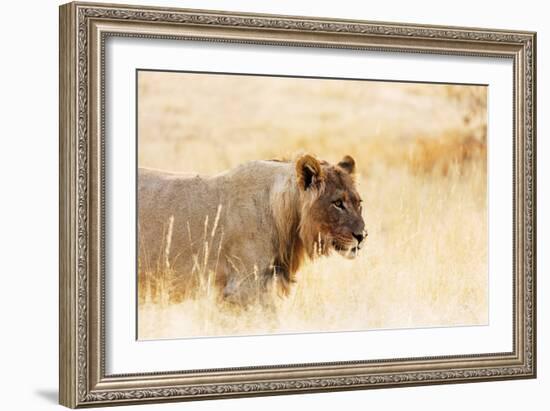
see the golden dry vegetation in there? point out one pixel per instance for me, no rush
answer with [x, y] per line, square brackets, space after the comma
[421, 154]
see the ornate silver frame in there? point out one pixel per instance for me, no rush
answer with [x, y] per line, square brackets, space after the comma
[83, 30]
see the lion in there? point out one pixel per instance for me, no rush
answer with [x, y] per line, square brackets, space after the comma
[249, 229]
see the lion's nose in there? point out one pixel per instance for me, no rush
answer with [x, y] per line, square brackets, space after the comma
[359, 237]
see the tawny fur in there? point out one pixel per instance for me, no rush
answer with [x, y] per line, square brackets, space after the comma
[250, 227]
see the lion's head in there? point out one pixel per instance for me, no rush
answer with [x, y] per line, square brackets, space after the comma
[331, 207]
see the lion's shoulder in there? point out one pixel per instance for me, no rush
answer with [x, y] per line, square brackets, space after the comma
[253, 175]
[259, 168]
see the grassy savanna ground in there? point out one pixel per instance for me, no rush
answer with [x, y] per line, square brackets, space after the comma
[421, 155]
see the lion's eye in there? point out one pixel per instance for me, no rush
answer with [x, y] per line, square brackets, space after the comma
[339, 204]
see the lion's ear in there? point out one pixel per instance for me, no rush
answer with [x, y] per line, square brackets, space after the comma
[348, 164]
[308, 171]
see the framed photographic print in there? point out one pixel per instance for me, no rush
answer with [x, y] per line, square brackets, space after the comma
[259, 204]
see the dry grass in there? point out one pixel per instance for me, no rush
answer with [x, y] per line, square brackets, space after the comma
[421, 153]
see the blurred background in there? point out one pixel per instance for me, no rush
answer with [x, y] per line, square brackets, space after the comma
[421, 155]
